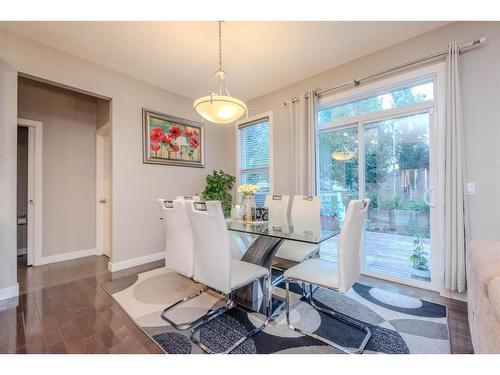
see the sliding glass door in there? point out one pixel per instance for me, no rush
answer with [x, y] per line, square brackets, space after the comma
[383, 147]
[397, 180]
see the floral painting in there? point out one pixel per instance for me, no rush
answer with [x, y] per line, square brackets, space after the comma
[172, 141]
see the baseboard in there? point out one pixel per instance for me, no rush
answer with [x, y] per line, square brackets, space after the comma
[7, 293]
[22, 251]
[67, 256]
[124, 264]
[453, 295]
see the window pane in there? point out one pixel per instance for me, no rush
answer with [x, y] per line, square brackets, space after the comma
[397, 174]
[261, 179]
[394, 99]
[254, 158]
[254, 146]
[338, 172]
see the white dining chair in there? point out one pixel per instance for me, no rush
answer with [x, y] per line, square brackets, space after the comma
[215, 268]
[179, 248]
[305, 216]
[178, 236]
[337, 278]
[277, 205]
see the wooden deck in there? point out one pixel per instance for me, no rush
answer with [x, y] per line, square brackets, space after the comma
[385, 253]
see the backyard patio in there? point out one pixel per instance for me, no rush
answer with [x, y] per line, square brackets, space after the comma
[385, 253]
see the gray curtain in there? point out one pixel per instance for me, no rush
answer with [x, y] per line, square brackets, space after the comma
[455, 216]
[302, 115]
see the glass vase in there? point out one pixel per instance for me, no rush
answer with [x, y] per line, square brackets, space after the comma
[248, 207]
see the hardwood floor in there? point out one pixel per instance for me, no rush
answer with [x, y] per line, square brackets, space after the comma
[63, 309]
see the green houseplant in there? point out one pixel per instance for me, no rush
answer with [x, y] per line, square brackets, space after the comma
[418, 260]
[218, 188]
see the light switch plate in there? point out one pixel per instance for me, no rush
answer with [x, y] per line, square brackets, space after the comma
[470, 188]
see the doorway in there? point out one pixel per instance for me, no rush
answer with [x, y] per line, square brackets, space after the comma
[29, 191]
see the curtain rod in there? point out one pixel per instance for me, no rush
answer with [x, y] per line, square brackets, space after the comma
[357, 82]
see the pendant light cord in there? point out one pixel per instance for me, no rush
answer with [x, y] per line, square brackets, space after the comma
[220, 45]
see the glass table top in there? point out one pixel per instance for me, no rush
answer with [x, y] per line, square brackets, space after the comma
[310, 231]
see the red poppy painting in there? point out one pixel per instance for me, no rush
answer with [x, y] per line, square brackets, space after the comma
[172, 141]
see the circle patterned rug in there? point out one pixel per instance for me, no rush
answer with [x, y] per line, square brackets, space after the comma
[399, 324]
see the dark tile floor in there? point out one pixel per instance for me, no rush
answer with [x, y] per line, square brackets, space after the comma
[63, 309]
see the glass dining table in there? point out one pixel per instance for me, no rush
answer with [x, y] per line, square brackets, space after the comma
[270, 235]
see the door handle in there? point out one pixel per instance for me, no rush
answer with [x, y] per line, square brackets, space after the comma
[102, 200]
[427, 196]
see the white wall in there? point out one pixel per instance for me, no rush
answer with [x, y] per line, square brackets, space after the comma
[480, 73]
[8, 172]
[136, 186]
[69, 163]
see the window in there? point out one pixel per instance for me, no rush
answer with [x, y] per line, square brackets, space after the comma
[382, 141]
[254, 156]
[393, 99]
[338, 178]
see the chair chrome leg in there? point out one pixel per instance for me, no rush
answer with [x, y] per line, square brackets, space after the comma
[267, 301]
[185, 325]
[335, 315]
[287, 302]
[206, 319]
[194, 323]
[267, 296]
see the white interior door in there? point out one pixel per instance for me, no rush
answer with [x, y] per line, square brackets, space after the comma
[107, 195]
[31, 196]
[104, 196]
[34, 195]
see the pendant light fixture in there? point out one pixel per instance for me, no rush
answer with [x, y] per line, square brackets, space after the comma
[343, 155]
[220, 107]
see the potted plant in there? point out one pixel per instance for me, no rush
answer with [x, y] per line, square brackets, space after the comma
[218, 188]
[418, 260]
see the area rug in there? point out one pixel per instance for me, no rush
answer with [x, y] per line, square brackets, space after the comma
[399, 324]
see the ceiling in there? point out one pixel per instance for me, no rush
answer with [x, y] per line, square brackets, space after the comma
[259, 57]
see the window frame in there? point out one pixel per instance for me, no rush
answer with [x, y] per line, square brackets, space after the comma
[380, 87]
[436, 106]
[249, 120]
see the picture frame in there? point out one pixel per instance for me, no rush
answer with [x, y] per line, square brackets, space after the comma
[170, 140]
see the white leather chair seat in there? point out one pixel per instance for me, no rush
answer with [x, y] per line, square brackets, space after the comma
[317, 272]
[243, 272]
[296, 251]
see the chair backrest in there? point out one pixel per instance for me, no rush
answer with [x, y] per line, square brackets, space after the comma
[304, 207]
[179, 249]
[212, 255]
[277, 205]
[195, 198]
[161, 202]
[349, 244]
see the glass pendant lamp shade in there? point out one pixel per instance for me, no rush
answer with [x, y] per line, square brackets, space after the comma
[220, 107]
[343, 155]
